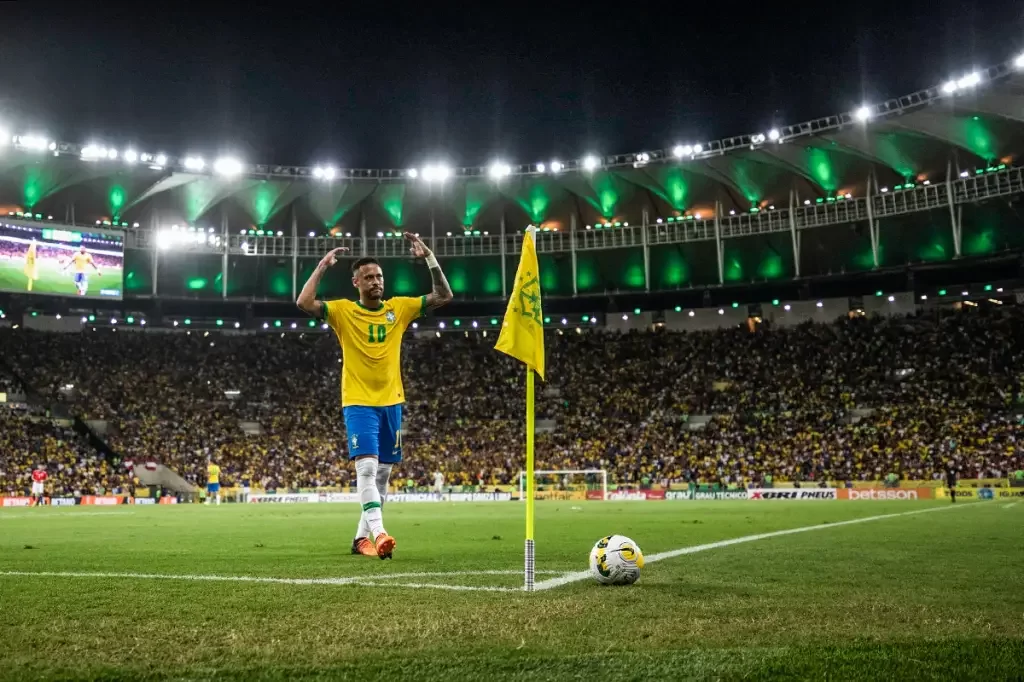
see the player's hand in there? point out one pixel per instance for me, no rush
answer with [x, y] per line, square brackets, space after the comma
[416, 246]
[332, 257]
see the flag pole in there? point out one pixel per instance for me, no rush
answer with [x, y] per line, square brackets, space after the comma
[529, 572]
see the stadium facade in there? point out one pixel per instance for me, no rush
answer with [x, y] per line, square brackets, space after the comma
[914, 194]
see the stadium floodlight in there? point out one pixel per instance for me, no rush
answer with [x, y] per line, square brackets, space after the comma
[227, 166]
[643, 157]
[1019, 61]
[164, 239]
[774, 134]
[111, 154]
[194, 163]
[131, 156]
[327, 173]
[436, 173]
[697, 149]
[971, 80]
[863, 113]
[681, 150]
[499, 169]
[590, 163]
[32, 143]
[5, 137]
[757, 138]
[949, 87]
[160, 160]
[556, 166]
[91, 152]
[541, 168]
[413, 173]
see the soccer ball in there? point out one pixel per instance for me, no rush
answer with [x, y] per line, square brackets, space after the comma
[616, 560]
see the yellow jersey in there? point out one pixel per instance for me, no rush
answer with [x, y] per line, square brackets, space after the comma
[212, 473]
[30, 255]
[371, 348]
[81, 260]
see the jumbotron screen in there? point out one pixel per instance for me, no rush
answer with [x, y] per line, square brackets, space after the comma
[61, 261]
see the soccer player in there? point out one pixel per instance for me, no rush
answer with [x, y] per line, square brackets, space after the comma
[31, 269]
[212, 481]
[39, 477]
[370, 333]
[951, 482]
[438, 483]
[80, 260]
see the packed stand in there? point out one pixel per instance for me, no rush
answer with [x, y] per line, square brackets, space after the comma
[784, 401]
[73, 468]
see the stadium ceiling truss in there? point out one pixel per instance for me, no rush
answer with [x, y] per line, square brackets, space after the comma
[940, 148]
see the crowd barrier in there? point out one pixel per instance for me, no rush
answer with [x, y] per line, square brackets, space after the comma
[85, 500]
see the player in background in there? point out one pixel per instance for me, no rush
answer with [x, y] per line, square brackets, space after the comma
[80, 259]
[39, 477]
[370, 333]
[31, 268]
[951, 482]
[212, 481]
[246, 488]
[438, 483]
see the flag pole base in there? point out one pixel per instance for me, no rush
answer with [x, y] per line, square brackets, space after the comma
[528, 572]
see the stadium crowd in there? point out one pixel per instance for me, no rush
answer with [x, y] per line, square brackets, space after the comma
[852, 400]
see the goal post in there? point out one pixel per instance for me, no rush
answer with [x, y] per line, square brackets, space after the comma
[603, 473]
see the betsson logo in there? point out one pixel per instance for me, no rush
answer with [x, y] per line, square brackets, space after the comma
[882, 494]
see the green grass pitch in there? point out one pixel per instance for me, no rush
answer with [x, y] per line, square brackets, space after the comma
[53, 281]
[932, 595]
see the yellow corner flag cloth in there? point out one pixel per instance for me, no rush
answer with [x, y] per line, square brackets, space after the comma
[522, 331]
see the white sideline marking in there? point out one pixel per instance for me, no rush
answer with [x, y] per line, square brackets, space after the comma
[1012, 504]
[51, 515]
[583, 575]
[383, 580]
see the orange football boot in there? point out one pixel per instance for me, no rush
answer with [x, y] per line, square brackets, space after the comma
[363, 546]
[385, 545]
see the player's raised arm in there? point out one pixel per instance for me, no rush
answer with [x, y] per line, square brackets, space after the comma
[442, 292]
[307, 300]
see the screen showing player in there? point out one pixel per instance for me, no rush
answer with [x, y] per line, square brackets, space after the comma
[61, 261]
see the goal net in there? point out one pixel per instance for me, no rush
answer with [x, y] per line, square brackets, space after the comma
[563, 483]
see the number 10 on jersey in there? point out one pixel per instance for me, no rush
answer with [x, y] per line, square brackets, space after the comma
[377, 333]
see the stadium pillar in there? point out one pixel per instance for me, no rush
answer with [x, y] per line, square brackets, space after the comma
[295, 254]
[647, 255]
[224, 255]
[155, 251]
[954, 222]
[872, 226]
[572, 251]
[718, 241]
[793, 233]
[501, 251]
[362, 236]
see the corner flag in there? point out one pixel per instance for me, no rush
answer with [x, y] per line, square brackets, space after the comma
[522, 337]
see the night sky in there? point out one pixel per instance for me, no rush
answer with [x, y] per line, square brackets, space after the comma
[389, 86]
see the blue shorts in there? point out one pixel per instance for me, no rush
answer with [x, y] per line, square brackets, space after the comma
[80, 278]
[213, 488]
[374, 431]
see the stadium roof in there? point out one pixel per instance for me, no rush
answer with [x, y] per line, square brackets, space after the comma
[972, 122]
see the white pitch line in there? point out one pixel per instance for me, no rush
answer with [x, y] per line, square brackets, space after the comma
[583, 575]
[53, 515]
[370, 580]
[1012, 504]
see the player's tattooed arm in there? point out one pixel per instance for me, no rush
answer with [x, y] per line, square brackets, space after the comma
[441, 293]
[307, 300]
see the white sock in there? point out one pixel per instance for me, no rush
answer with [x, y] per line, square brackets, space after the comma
[366, 484]
[383, 475]
[362, 530]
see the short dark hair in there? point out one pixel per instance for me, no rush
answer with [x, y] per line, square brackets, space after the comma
[367, 260]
